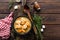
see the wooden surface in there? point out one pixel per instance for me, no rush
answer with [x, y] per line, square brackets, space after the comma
[50, 12]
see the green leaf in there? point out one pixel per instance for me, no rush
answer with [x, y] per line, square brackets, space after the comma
[10, 4]
[38, 24]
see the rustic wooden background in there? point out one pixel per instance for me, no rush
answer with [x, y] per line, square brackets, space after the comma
[50, 12]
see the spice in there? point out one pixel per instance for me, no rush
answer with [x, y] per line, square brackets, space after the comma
[43, 26]
[42, 30]
[36, 6]
[17, 0]
[17, 7]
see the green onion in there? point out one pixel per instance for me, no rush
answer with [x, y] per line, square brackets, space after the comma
[38, 24]
[10, 4]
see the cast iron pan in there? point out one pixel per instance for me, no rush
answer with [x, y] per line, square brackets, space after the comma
[23, 33]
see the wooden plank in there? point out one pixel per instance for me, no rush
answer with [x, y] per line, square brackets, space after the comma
[52, 32]
[3, 15]
[50, 18]
[45, 7]
[48, 1]
[34, 0]
[5, 0]
[56, 1]
[47, 18]
[4, 8]
[48, 7]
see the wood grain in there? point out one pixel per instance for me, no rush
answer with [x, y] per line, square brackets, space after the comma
[34, 0]
[48, 7]
[50, 13]
[3, 15]
[45, 7]
[50, 18]
[52, 32]
[56, 1]
[46, 18]
[4, 8]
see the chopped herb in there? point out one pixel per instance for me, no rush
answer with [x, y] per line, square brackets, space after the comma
[38, 24]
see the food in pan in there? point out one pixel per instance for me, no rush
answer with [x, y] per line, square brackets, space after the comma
[22, 25]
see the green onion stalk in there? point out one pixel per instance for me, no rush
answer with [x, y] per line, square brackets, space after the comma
[11, 3]
[38, 24]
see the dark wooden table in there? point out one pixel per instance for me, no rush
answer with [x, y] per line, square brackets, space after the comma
[50, 12]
